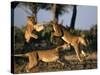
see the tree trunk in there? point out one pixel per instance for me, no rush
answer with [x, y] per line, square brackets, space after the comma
[56, 16]
[72, 25]
[54, 13]
[35, 14]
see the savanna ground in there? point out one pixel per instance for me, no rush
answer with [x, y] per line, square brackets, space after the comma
[68, 57]
[71, 63]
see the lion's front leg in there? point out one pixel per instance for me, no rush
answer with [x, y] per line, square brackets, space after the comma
[78, 52]
[83, 54]
[34, 36]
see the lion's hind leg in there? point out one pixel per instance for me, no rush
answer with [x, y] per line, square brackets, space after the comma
[32, 56]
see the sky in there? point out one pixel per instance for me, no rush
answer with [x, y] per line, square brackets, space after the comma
[85, 19]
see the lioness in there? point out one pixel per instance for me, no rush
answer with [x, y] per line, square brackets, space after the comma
[51, 55]
[31, 25]
[75, 41]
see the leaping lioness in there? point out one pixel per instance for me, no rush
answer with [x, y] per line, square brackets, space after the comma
[75, 41]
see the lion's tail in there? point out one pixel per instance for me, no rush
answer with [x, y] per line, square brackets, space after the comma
[20, 55]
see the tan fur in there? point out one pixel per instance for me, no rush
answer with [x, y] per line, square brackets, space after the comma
[30, 27]
[73, 40]
[32, 56]
[51, 55]
[57, 31]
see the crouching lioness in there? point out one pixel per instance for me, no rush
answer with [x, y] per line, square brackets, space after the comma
[51, 55]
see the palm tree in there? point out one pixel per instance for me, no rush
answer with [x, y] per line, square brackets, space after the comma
[54, 12]
[72, 25]
[32, 8]
[57, 10]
